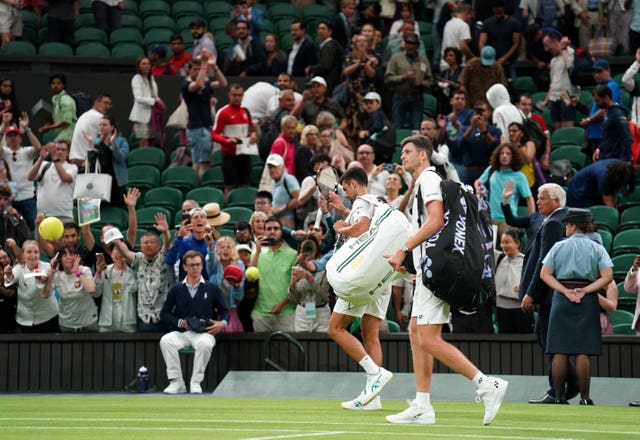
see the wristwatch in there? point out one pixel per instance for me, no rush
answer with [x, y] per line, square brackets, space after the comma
[406, 250]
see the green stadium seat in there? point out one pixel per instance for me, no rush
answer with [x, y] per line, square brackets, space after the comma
[182, 24]
[621, 265]
[223, 41]
[125, 35]
[89, 35]
[112, 215]
[18, 48]
[626, 242]
[267, 26]
[164, 197]
[146, 216]
[218, 24]
[55, 49]
[402, 133]
[143, 177]
[206, 195]
[85, 7]
[131, 21]
[147, 8]
[525, 84]
[286, 42]
[30, 19]
[130, 8]
[227, 232]
[621, 317]
[283, 10]
[139, 234]
[127, 50]
[241, 197]
[159, 22]
[213, 177]
[630, 218]
[567, 136]
[317, 11]
[187, 9]
[217, 9]
[572, 153]
[30, 35]
[282, 27]
[429, 105]
[607, 239]
[256, 175]
[623, 329]
[157, 36]
[238, 214]
[183, 178]
[626, 300]
[147, 156]
[93, 49]
[605, 217]
[86, 20]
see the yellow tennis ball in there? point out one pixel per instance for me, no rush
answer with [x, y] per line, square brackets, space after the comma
[51, 228]
[252, 273]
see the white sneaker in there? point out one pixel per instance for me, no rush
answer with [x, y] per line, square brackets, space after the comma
[415, 414]
[492, 395]
[176, 387]
[356, 404]
[375, 384]
[195, 388]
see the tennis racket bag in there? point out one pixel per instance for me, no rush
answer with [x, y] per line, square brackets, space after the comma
[357, 271]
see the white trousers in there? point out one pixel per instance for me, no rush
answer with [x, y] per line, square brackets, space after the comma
[202, 343]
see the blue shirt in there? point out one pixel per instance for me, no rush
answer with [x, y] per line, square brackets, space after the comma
[180, 246]
[498, 179]
[589, 185]
[596, 128]
[577, 258]
[282, 191]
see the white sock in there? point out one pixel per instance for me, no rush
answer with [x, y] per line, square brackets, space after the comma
[368, 365]
[480, 380]
[423, 399]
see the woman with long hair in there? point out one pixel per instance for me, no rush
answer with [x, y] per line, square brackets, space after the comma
[577, 269]
[448, 79]
[8, 100]
[275, 62]
[517, 137]
[220, 262]
[147, 104]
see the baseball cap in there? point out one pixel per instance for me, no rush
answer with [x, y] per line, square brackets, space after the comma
[319, 80]
[600, 64]
[412, 38]
[488, 56]
[12, 129]
[372, 96]
[197, 22]
[276, 160]
[243, 247]
[158, 50]
[112, 235]
[233, 273]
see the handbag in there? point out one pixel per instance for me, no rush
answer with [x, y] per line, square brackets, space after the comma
[179, 118]
[93, 185]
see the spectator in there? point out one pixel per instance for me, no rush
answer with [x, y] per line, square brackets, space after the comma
[202, 39]
[244, 10]
[243, 234]
[342, 25]
[517, 137]
[158, 60]
[303, 53]
[315, 100]
[575, 268]
[273, 310]
[285, 191]
[371, 15]
[309, 144]
[75, 285]
[309, 193]
[195, 310]
[88, 125]
[546, 13]
[55, 180]
[481, 73]
[330, 57]
[340, 151]
[262, 203]
[13, 225]
[233, 126]
[632, 85]
[147, 104]
[153, 276]
[616, 137]
[310, 292]
[562, 113]
[275, 61]
[634, 28]
[19, 161]
[618, 20]
[284, 82]
[179, 58]
[450, 126]
[377, 174]
[111, 150]
[510, 317]
[457, 35]
[440, 155]
[108, 14]
[525, 105]
[10, 22]
[61, 18]
[631, 285]
[64, 109]
[8, 100]
[248, 51]
[8, 299]
[448, 80]
[536, 53]
[504, 168]
[589, 19]
[118, 287]
[502, 32]
[197, 91]
[226, 271]
[36, 313]
[600, 183]
[409, 76]
[397, 44]
[504, 113]
[406, 14]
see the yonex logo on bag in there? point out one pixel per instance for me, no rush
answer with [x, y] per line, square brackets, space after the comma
[459, 239]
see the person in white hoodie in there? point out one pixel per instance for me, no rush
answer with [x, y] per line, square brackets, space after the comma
[504, 112]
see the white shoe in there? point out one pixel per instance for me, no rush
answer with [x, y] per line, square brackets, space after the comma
[420, 415]
[195, 388]
[356, 404]
[176, 387]
[492, 395]
[375, 384]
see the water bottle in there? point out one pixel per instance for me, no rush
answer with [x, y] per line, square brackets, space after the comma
[143, 379]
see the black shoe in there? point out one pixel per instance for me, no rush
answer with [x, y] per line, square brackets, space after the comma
[634, 403]
[561, 402]
[547, 398]
[586, 402]
[572, 391]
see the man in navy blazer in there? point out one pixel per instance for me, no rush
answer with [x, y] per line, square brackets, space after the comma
[551, 202]
[196, 309]
[303, 52]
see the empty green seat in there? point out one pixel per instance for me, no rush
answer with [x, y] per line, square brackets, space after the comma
[213, 177]
[55, 49]
[89, 35]
[429, 105]
[147, 156]
[127, 50]
[621, 265]
[157, 36]
[572, 153]
[164, 197]
[238, 214]
[187, 9]
[158, 22]
[125, 35]
[112, 215]
[183, 178]
[630, 218]
[143, 177]
[146, 216]
[241, 197]
[524, 84]
[206, 195]
[93, 49]
[18, 48]
[147, 8]
[567, 136]
[626, 242]
[605, 217]
[218, 9]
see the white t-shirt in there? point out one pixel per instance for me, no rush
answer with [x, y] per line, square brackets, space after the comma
[376, 184]
[428, 184]
[77, 308]
[361, 207]
[19, 169]
[455, 30]
[257, 97]
[32, 308]
[55, 197]
[88, 122]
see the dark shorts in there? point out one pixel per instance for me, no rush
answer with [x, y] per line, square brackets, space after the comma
[236, 170]
[560, 112]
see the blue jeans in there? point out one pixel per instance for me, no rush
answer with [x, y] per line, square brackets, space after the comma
[407, 104]
[27, 208]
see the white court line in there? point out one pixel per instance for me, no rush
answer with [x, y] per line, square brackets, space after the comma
[287, 422]
[306, 434]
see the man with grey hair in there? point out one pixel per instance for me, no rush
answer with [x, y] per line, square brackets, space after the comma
[378, 174]
[545, 229]
[283, 145]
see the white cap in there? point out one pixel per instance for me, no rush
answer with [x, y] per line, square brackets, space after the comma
[243, 247]
[112, 235]
[372, 96]
[276, 160]
[319, 80]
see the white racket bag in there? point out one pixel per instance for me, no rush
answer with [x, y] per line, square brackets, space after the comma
[357, 271]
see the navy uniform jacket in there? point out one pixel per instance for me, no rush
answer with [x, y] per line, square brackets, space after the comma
[206, 304]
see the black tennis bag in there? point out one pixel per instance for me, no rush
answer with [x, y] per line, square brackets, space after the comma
[458, 264]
